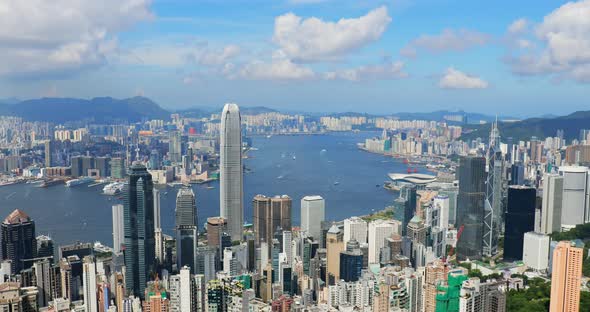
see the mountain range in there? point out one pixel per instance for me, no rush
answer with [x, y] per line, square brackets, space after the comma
[539, 127]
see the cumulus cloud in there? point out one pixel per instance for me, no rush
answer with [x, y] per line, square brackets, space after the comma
[455, 79]
[385, 71]
[564, 39]
[312, 39]
[447, 40]
[40, 37]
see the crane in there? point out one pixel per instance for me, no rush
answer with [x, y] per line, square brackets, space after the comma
[452, 250]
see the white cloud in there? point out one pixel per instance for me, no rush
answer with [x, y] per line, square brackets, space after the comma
[312, 39]
[277, 69]
[58, 37]
[219, 57]
[564, 40]
[518, 26]
[447, 40]
[455, 79]
[385, 71]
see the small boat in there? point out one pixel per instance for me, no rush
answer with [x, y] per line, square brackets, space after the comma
[210, 187]
[294, 157]
[336, 183]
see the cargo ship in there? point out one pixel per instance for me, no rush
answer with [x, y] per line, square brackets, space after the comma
[80, 181]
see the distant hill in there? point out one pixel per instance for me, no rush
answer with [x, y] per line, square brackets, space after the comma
[439, 116]
[256, 110]
[101, 109]
[539, 127]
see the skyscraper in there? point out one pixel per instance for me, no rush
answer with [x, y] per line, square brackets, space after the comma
[470, 206]
[18, 240]
[408, 193]
[139, 229]
[186, 228]
[175, 146]
[520, 218]
[230, 171]
[48, 153]
[493, 189]
[576, 206]
[118, 228]
[566, 278]
[270, 214]
[334, 246]
[89, 285]
[355, 228]
[312, 215]
[552, 203]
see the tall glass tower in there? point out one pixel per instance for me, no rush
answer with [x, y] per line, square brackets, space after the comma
[186, 228]
[18, 240]
[470, 207]
[230, 171]
[138, 217]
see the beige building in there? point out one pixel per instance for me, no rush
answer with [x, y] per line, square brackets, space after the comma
[436, 273]
[566, 279]
[334, 245]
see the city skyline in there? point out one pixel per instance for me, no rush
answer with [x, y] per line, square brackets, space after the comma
[206, 53]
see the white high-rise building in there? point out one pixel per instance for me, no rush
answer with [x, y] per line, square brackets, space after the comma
[312, 215]
[187, 290]
[356, 228]
[551, 205]
[535, 253]
[89, 285]
[118, 234]
[231, 184]
[157, 220]
[575, 202]
[379, 230]
[287, 246]
[441, 203]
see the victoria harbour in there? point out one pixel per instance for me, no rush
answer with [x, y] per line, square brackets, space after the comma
[330, 165]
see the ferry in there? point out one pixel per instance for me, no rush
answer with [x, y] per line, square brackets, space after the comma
[80, 181]
[113, 188]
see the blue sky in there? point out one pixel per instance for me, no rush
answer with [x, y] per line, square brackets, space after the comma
[520, 58]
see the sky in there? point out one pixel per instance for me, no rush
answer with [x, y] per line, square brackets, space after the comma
[518, 58]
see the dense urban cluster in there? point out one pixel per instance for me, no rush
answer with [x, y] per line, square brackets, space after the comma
[487, 226]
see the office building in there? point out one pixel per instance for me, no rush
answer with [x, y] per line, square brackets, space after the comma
[89, 284]
[175, 147]
[45, 247]
[575, 204]
[517, 174]
[18, 240]
[334, 246]
[118, 228]
[520, 218]
[535, 251]
[270, 215]
[186, 229]
[408, 193]
[441, 204]
[312, 215]
[138, 217]
[379, 230]
[566, 277]
[216, 226]
[48, 153]
[355, 228]
[118, 170]
[351, 265]
[551, 208]
[231, 171]
[470, 207]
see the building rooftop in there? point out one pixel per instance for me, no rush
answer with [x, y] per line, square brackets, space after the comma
[17, 216]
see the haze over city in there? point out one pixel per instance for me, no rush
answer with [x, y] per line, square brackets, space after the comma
[526, 58]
